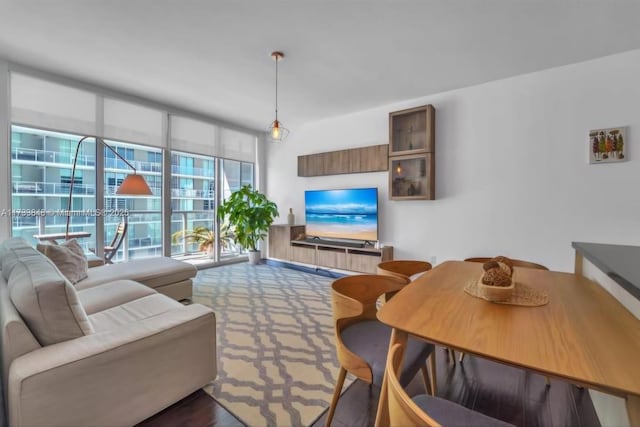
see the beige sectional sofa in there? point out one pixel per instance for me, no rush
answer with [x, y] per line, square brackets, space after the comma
[106, 352]
[165, 275]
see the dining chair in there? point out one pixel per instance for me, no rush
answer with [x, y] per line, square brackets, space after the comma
[516, 262]
[362, 341]
[112, 249]
[403, 268]
[411, 269]
[424, 410]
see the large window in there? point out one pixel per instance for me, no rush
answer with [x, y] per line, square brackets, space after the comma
[48, 120]
[236, 174]
[144, 230]
[41, 176]
[192, 203]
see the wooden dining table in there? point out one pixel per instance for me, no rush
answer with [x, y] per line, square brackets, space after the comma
[582, 335]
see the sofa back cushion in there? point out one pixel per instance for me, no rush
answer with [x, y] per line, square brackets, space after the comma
[12, 251]
[15, 337]
[47, 301]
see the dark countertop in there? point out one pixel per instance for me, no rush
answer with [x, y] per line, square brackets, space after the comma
[621, 263]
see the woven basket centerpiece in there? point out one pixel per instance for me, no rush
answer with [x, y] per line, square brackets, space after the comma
[496, 283]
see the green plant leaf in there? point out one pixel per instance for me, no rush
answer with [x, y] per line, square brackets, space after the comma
[250, 214]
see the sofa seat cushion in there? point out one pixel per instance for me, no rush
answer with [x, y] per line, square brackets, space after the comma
[370, 340]
[449, 413]
[153, 272]
[133, 311]
[112, 294]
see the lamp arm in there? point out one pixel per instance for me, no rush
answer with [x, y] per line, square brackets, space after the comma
[73, 174]
[115, 152]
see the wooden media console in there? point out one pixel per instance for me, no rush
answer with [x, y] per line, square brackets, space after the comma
[286, 243]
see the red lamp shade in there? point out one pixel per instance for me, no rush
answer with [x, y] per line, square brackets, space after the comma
[134, 185]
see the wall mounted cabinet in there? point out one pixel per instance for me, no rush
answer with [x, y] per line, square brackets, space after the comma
[412, 131]
[411, 177]
[412, 154]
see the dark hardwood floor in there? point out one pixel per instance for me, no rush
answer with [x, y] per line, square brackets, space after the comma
[196, 410]
[3, 420]
[503, 392]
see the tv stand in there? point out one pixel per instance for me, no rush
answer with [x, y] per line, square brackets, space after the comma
[289, 243]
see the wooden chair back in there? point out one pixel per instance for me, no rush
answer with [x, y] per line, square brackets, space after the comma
[402, 410]
[112, 249]
[354, 299]
[400, 268]
[516, 262]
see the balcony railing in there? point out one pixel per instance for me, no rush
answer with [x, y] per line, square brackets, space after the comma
[192, 171]
[191, 193]
[39, 187]
[62, 189]
[110, 190]
[185, 221]
[66, 159]
[141, 241]
[35, 187]
[46, 156]
[141, 166]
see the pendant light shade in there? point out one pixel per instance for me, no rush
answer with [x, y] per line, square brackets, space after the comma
[277, 132]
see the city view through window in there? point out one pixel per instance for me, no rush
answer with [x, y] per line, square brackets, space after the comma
[41, 163]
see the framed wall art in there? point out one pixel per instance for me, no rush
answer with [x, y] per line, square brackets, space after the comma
[607, 145]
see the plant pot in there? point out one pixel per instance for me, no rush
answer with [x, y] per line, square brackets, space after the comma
[211, 253]
[254, 257]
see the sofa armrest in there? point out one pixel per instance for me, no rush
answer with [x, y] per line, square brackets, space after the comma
[117, 377]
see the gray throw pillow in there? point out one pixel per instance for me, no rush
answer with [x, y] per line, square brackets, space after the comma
[69, 258]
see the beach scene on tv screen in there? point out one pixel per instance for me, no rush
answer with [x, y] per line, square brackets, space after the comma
[342, 214]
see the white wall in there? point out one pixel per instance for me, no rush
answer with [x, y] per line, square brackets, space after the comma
[512, 172]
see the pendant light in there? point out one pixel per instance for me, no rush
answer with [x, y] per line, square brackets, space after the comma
[277, 132]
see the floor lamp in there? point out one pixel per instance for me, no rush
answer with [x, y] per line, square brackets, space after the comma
[132, 185]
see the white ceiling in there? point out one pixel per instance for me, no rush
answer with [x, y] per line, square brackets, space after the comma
[212, 57]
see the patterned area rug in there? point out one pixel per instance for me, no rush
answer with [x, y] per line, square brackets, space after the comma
[276, 351]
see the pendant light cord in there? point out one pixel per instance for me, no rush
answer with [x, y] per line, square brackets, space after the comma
[277, 59]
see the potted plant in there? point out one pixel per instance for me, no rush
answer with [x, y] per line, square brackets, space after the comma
[250, 214]
[204, 237]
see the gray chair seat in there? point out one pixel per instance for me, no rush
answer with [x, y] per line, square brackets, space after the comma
[370, 339]
[451, 414]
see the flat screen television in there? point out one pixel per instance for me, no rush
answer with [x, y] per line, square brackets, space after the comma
[342, 214]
